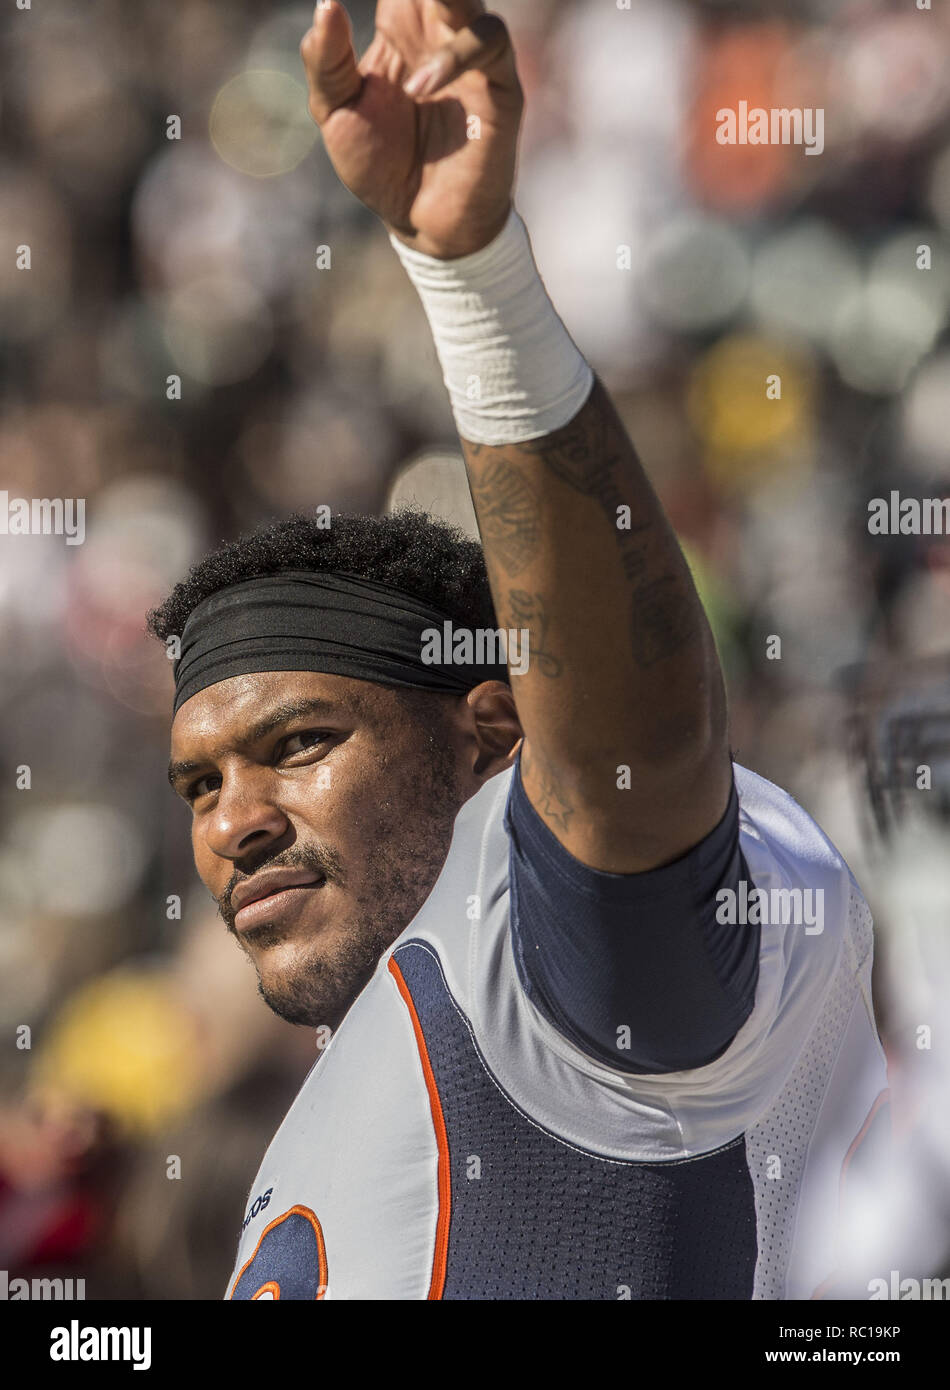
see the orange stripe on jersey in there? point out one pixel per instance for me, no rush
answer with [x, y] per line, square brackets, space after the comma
[271, 1286]
[437, 1283]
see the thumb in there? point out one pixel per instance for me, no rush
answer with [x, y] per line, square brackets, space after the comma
[330, 61]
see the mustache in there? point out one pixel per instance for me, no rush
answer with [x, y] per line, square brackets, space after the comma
[319, 859]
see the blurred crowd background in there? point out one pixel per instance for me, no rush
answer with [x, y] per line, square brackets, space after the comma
[154, 257]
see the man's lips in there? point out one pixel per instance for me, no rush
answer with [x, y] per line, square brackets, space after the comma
[270, 890]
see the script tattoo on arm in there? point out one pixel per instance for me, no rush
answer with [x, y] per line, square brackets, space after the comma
[587, 454]
[528, 611]
[552, 803]
[509, 514]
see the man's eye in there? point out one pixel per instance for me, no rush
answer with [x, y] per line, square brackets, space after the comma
[303, 742]
[203, 786]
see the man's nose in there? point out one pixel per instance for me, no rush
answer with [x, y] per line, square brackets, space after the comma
[247, 816]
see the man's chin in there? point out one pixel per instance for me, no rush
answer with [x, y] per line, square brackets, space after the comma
[314, 991]
[291, 1009]
[304, 996]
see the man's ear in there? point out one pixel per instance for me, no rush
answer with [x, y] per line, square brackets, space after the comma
[492, 724]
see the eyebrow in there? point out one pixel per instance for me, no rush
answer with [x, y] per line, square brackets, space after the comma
[275, 719]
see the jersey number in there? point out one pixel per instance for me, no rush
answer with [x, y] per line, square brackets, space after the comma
[290, 1260]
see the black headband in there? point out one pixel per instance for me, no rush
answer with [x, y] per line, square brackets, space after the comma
[337, 623]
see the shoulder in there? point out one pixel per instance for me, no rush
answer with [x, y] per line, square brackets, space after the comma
[772, 814]
[785, 849]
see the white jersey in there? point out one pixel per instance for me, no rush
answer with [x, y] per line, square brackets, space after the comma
[451, 1143]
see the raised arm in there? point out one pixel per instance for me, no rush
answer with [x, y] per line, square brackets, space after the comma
[623, 672]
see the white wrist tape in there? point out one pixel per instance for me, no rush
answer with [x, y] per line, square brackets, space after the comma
[512, 370]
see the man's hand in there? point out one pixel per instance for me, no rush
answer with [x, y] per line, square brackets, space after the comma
[436, 162]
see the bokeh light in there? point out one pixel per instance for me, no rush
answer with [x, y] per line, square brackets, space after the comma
[801, 278]
[260, 124]
[747, 429]
[881, 332]
[123, 1045]
[218, 329]
[925, 416]
[77, 860]
[696, 274]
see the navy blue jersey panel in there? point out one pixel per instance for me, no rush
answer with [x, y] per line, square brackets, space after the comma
[533, 1217]
[287, 1257]
[634, 969]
